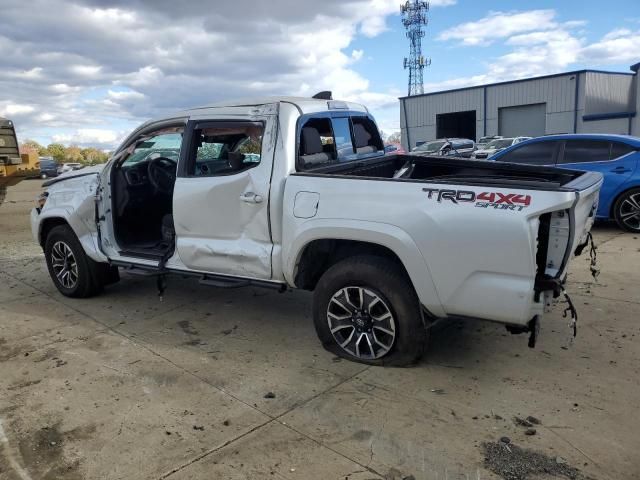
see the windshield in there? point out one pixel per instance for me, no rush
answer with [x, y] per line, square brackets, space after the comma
[495, 144]
[430, 147]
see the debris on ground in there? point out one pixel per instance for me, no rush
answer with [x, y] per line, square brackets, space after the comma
[533, 420]
[269, 395]
[230, 330]
[226, 423]
[514, 463]
[198, 427]
[521, 422]
[437, 391]
[505, 440]
[530, 431]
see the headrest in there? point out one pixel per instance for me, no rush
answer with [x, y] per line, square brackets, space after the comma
[311, 141]
[236, 160]
[361, 135]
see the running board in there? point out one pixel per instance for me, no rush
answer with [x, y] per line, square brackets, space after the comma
[223, 282]
[211, 280]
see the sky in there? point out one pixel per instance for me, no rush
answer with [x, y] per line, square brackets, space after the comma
[86, 72]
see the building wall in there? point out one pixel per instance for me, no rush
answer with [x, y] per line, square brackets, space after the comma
[635, 121]
[609, 93]
[421, 112]
[558, 93]
[598, 93]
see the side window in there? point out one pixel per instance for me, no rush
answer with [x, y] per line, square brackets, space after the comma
[165, 143]
[366, 136]
[538, 153]
[317, 144]
[581, 151]
[225, 149]
[619, 149]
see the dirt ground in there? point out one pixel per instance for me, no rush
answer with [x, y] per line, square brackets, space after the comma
[123, 386]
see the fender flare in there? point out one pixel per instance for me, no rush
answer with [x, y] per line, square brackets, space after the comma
[383, 234]
[85, 237]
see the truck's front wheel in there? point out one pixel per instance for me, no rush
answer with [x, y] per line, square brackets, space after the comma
[366, 310]
[72, 271]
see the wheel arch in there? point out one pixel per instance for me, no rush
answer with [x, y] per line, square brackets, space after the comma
[49, 224]
[317, 247]
[614, 201]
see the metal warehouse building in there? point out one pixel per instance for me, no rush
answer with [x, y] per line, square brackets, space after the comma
[584, 101]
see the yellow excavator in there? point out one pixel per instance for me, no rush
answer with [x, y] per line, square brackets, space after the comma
[14, 166]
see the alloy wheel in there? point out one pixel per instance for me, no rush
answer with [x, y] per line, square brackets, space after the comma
[629, 211]
[64, 264]
[361, 322]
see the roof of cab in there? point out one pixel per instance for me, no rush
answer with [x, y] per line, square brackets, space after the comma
[304, 104]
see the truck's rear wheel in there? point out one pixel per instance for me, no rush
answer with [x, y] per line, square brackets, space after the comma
[627, 211]
[366, 310]
[72, 271]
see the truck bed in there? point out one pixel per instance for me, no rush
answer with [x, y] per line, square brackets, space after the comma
[435, 169]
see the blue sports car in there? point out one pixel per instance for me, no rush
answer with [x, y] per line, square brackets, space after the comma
[617, 157]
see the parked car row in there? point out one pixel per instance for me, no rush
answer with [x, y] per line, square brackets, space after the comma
[495, 146]
[615, 156]
[49, 168]
[454, 147]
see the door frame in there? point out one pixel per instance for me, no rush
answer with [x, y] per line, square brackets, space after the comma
[185, 166]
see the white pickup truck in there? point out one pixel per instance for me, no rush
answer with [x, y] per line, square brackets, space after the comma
[297, 192]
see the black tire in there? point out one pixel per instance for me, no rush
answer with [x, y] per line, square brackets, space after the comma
[90, 276]
[378, 277]
[625, 206]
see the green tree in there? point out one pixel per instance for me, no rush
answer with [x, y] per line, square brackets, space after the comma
[74, 154]
[32, 146]
[93, 156]
[57, 151]
[394, 138]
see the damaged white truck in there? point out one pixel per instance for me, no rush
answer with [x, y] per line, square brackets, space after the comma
[297, 193]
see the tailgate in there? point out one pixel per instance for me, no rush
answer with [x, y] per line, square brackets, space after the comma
[584, 211]
[566, 231]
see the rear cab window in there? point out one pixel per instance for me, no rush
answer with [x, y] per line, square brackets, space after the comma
[334, 138]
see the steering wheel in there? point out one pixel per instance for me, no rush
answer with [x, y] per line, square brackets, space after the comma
[162, 174]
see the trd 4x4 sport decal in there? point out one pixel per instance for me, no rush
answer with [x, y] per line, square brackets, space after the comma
[497, 200]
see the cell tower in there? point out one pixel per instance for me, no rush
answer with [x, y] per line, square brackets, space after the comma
[414, 19]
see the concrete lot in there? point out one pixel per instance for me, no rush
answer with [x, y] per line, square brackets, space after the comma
[123, 386]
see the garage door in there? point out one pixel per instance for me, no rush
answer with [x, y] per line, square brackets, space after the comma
[524, 120]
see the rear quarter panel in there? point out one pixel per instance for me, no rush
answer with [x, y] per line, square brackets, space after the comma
[463, 259]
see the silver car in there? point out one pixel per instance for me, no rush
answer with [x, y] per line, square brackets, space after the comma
[446, 147]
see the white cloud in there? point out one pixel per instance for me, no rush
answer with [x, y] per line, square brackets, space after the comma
[108, 63]
[498, 25]
[357, 54]
[551, 47]
[618, 46]
[85, 70]
[90, 137]
[11, 109]
[125, 95]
